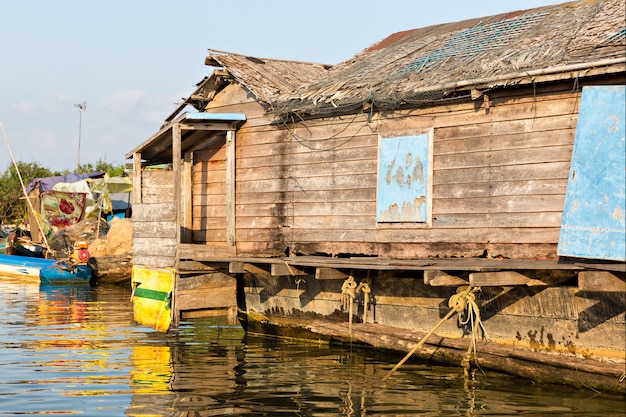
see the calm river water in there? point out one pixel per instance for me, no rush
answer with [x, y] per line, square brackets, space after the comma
[77, 351]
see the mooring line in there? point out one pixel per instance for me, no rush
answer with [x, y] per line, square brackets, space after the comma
[457, 304]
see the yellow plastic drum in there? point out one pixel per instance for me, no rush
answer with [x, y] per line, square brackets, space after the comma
[152, 296]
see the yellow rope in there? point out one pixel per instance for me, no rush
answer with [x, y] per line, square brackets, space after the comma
[457, 303]
[473, 319]
[347, 296]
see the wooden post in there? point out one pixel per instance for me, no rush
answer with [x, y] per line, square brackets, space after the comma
[230, 188]
[186, 199]
[176, 168]
[137, 178]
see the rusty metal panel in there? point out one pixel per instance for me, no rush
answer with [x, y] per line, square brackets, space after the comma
[593, 224]
[403, 179]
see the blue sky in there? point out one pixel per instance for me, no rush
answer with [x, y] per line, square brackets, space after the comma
[131, 61]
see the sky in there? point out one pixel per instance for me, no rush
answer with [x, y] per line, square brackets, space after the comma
[132, 61]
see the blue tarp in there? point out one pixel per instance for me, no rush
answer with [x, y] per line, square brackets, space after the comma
[46, 184]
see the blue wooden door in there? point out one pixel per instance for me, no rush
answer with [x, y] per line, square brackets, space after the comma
[593, 216]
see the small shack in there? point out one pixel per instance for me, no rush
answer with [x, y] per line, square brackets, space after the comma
[484, 153]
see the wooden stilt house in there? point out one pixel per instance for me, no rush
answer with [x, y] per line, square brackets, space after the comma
[354, 200]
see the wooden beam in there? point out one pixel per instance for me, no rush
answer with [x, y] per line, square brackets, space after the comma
[236, 267]
[604, 281]
[216, 126]
[498, 279]
[442, 279]
[329, 273]
[285, 269]
[254, 269]
[193, 267]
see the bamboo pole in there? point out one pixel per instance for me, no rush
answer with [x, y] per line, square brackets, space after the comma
[30, 204]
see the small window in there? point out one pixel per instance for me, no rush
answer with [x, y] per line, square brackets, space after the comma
[404, 179]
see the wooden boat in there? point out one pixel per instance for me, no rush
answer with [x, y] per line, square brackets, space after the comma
[45, 270]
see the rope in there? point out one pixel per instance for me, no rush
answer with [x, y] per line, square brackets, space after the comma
[457, 303]
[347, 296]
[348, 292]
[473, 319]
[364, 287]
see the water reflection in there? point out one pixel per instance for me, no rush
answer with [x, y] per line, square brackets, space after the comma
[68, 350]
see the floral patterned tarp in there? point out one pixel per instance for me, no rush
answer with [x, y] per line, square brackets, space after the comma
[61, 209]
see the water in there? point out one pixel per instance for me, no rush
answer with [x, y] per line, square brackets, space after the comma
[77, 351]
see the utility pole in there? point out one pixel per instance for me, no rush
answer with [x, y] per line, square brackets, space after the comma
[81, 107]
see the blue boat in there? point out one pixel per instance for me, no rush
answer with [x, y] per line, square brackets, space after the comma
[47, 271]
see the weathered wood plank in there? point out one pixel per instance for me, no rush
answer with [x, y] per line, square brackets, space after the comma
[548, 170]
[498, 279]
[602, 281]
[500, 204]
[211, 237]
[207, 281]
[442, 279]
[508, 127]
[316, 169]
[480, 220]
[154, 261]
[401, 250]
[495, 158]
[200, 252]
[236, 268]
[329, 273]
[200, 299]
[405, 234]
[163, 211]
[191, 266]
[501, 188]
[286, 269]
[503, 142]
[154, 247]
[165, 229]
[366, 150]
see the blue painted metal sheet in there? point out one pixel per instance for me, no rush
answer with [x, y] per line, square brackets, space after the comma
[220, 117]
[593, 224]
[402, 179]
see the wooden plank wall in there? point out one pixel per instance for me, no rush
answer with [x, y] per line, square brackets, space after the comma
[209, 193]
[500, 174]
[154, 221]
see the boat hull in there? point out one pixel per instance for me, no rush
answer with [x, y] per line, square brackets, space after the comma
[46, 271]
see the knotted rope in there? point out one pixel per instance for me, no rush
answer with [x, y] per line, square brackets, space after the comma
[473, 319]
[364, 287]
[347, 296]
[458, 302]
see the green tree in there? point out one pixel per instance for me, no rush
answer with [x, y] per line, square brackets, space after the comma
[103, 165]
[13, 206]
[12, 200]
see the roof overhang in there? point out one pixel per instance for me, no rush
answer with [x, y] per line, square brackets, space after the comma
[195, 130]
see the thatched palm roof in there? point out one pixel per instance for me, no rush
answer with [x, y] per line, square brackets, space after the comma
[435, 62]
[265, 78]
[438, 62]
